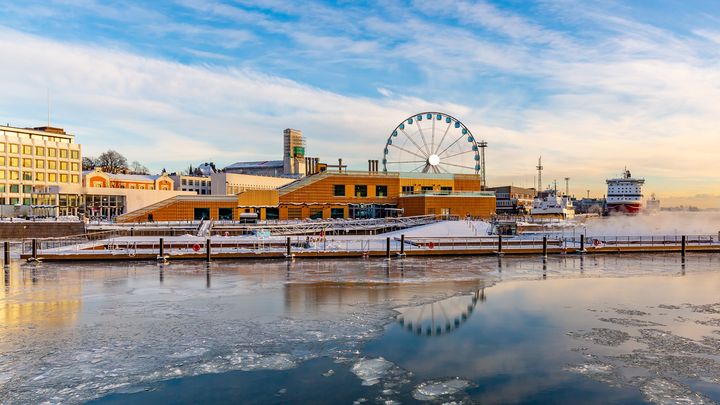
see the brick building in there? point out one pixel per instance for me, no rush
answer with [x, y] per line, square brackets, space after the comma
[337, 195]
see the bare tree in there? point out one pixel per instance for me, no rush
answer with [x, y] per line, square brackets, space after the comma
[88, 163]
[137, 168]
[111, 161]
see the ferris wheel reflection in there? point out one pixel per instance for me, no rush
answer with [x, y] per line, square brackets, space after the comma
[441, 317]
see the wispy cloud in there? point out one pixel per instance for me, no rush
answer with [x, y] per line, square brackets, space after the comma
[585, 85]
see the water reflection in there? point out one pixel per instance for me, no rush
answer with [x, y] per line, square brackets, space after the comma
[440, 317]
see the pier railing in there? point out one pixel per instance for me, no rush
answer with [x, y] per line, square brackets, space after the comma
[119, 243]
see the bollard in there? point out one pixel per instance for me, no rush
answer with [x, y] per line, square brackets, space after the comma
[582, 244]
[288, 247]
[34, 248]
[499, 243]
[544, 246]
[683, 246]
[162, 247]
[387, 252]
[402, 244]
[207, 251]
[132, 231]
[7, 253]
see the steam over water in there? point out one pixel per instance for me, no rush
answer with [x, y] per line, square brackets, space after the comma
[663, 224]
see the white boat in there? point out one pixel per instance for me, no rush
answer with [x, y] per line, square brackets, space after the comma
[553, 206]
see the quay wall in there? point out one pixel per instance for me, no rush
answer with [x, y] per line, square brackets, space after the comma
[14, 230]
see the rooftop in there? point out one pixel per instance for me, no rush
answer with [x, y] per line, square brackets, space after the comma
[253, 165]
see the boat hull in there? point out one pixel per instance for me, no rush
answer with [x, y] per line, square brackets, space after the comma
[625, 208]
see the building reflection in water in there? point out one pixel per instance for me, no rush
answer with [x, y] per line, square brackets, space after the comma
[36, 295]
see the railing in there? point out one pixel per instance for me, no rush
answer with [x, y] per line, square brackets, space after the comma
[116, 243]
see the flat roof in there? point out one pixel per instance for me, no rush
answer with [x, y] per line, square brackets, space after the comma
[32, 131]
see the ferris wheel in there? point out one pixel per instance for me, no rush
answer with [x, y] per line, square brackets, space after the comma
[432, 142]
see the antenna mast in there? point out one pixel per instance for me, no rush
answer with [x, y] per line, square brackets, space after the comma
[539, 169]
[567, 186]
[48, 94]
[483, 181]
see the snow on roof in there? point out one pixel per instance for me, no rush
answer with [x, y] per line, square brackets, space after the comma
[135, 177]
[206, 169]
[249, 165]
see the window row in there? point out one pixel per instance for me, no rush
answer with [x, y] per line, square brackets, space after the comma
[40, 176]
[39, 164]
[186, 182]
[360, 191]
[40, 151]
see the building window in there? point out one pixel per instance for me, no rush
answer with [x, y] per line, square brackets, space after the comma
[381, 191]
[27, 176]
[74, 154]
[272, 213]
[52, 152]
[39, 151]
[201, 213]
[142, 187]
[27, 189]
[225, 213]
[40, 176]
[184, 182]
[39, 164]
[27, 150]
[63, 153]
[14, 201]
[2, 147]
[132, 187]
[184, 189]
[203, 183]
[97, 184]
[166, 187]
[339, 190]
[14, 162]
[202, 192]
[14, 175]
[337, 212]
[63, 178]
[74, 167]
[74, 178]
[14, 188]
[360, 191]
[426, 188]
[2, 160]
[63, 165]
[2, 174]
[408, 189]
[52, 177]
[27, 162]
[13, 148]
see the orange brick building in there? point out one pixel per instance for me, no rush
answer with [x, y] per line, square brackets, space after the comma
[336, 195]
[98, 178]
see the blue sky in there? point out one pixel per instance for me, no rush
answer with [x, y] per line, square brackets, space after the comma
[591, 86]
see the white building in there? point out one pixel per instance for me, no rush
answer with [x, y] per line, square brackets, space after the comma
[233, 183]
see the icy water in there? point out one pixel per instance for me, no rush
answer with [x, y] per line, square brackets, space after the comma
[624, 329]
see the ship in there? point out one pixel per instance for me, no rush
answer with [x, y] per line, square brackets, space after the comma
[549, 204]
[624, 194]
[652, 206]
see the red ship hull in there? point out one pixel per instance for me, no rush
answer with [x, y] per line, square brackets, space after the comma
[625, 208]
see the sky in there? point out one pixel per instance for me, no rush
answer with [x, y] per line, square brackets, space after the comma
[591, 86]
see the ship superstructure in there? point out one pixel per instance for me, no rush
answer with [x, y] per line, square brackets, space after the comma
[624, 194]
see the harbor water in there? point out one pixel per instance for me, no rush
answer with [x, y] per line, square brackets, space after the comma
[612, 328]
